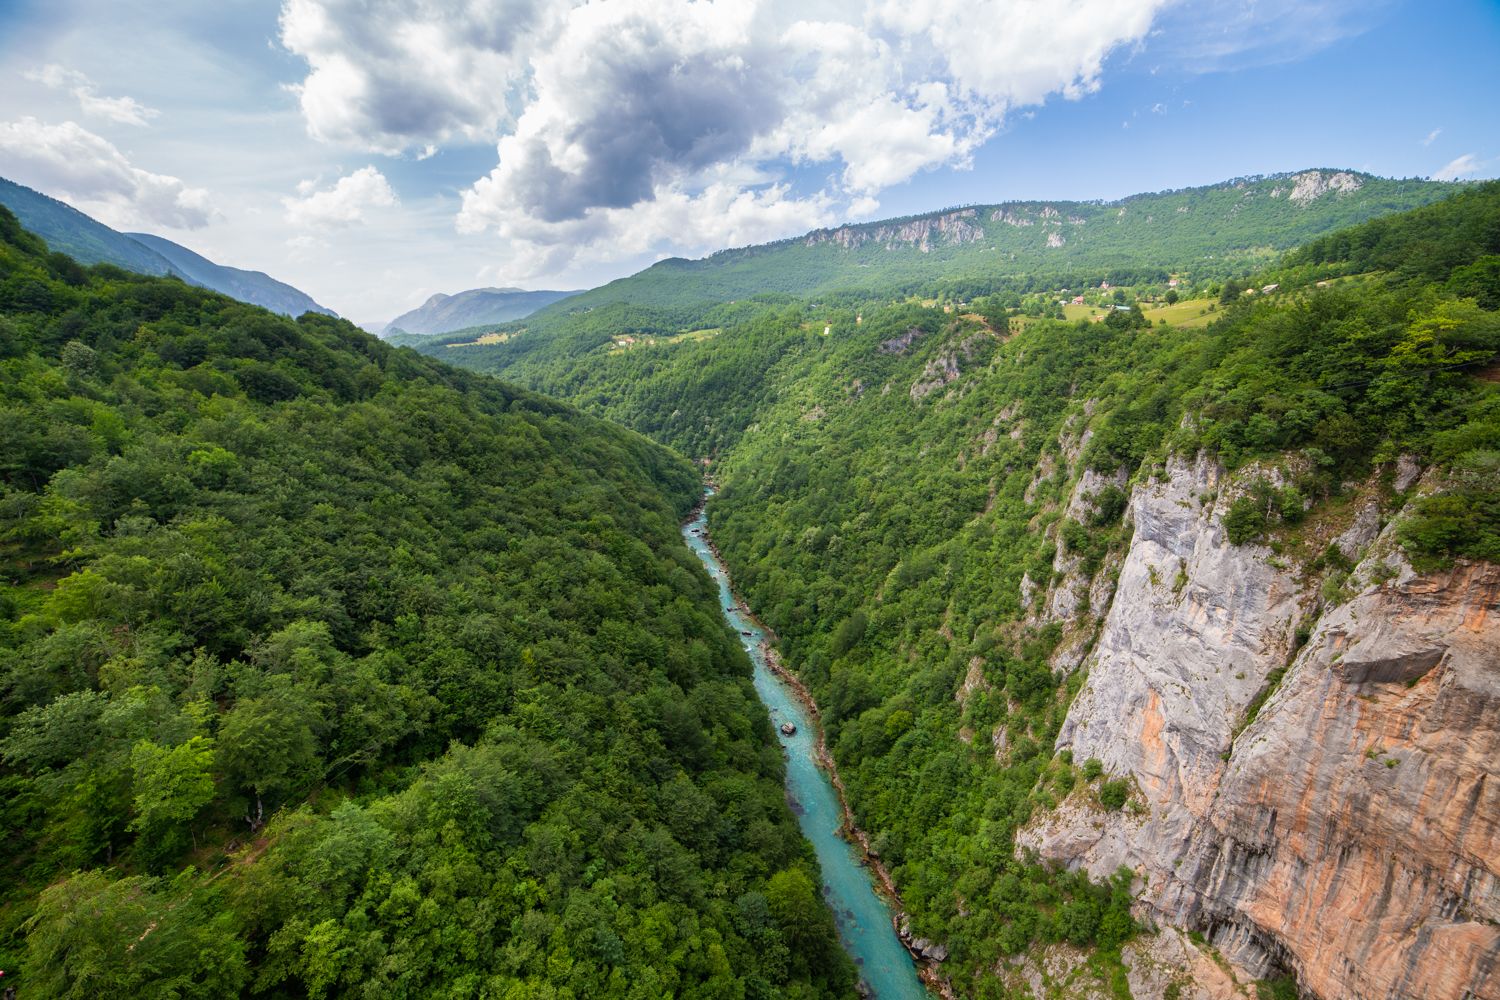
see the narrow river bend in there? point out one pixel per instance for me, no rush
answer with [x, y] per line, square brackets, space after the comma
[864, 920]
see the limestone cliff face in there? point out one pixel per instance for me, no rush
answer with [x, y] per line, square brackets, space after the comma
[1356, 832]
[1351, 833]
[923, 234]
[1195, 628]
[1157, 965]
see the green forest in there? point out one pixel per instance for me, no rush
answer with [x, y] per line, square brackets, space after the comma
[888, 485]
[329, 670]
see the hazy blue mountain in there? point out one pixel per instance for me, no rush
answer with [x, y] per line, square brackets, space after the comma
[477, 306]
[75, 234]
[255, 287]
[92, 242]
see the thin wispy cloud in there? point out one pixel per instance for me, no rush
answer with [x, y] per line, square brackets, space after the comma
[1432, 137]
[121, 110]
[1216, 35]
[1459, 167]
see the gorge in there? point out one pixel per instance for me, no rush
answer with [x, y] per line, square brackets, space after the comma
[864, 920]
[1151, 638]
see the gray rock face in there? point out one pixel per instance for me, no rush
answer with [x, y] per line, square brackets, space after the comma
[1351, 833]
[1066, 600]
[1195, 627]
[1362, 532]
[922, 234]
[1314, 184]
[1082, 505]
[1356, 833]
[1161, 964]
[1408, 471]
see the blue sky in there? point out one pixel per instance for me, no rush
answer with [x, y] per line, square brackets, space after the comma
[373, 152]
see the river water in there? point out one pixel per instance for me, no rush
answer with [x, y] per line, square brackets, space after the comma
[864, 920]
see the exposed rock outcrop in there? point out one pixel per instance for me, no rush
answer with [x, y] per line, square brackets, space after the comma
[1311, 185]
[902, 344]
[1010, 217]
[935, 374]
[1160, 964]
[1195, 628]
[1350, 834]
[944, 368]
[923, 234]
[1068, 595]
[1368, 860]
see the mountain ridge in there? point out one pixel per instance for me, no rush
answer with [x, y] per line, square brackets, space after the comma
[253, 287]
[446, 313]
[1249, 224]
[89, 241]
[79, 235]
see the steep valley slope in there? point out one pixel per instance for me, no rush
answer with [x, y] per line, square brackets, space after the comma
[328, 670]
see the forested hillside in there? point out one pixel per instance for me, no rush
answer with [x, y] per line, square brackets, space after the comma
[986, 259]
[328, 670]
[1199, 235]
[928, 508]
[896, 511]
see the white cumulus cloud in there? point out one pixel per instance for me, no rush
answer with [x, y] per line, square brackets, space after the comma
[1461, 166]
[122, 110]
[675, 220]
[640, 103]
[70, 162]
[631, 112]
[344, 204]
[388, 75]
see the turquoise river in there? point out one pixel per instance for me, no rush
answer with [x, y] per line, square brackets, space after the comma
[864, 919]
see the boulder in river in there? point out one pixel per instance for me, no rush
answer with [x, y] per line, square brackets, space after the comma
[787, 729]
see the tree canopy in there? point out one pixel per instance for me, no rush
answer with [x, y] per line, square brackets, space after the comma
[329, 670]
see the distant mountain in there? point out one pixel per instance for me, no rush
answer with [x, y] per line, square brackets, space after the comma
[92, 242]
[255, 287]
[80, 237]
[445, 313]
[1214, 231]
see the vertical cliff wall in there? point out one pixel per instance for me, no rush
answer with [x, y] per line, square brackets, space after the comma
[1351, 833]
